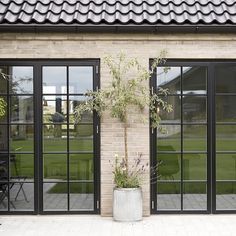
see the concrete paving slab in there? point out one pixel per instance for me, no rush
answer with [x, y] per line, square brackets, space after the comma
[88, 225]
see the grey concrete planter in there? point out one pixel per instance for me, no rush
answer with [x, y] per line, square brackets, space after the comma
[127, 204]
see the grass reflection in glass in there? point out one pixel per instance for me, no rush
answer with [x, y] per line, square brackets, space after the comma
[81, 167]
[225, 137]
[74, 188]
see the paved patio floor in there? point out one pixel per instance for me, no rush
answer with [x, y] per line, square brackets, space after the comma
[159, 225]
[58, 201]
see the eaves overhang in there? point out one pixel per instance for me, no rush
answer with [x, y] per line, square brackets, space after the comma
[118, 28]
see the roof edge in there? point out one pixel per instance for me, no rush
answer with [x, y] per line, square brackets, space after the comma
[103, 28]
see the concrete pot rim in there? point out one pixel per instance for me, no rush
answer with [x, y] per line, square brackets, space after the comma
[127, 189]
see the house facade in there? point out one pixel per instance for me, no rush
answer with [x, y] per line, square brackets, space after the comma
[52, 52]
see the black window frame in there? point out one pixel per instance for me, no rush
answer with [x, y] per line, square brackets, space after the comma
[37, 65]
[211, 139]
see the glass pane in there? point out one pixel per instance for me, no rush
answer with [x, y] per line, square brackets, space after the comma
[22, 109]
[80, 79]
[81, 167]
[174, 116]
[226, 108]
[225, 79]
[87, 117]
[54, 109]
[22, 196]
[55, 167]
[3, 196]
[22, 167]
[194, 166]
[22, 138]
[195, 196]
[169, 139]
[195, 80]
[225, 137]
[194, 109]
[3, 109]
[82, 196]
[54, 80]
[168, 196]
[3, 79]
[55, 138]
[195, 138]
[3, 138]
[225, 167]
[169, 166]
[55, 196]
[226, 181]
[225, 195]
[169, 79]
[81, 137]
[21, 78]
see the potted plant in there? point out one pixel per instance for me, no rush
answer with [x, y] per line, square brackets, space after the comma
[128, 90]
[127, 194]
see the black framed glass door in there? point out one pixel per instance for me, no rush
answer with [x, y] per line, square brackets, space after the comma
[17, 182]
[181, 147]
[225, 136]
[196, 151]
[48, 163]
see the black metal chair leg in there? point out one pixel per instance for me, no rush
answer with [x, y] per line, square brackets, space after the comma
[12, 204]
[2, 202]
[23, 191]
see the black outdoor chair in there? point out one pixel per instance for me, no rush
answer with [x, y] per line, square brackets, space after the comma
[3, 193]
[17, 179]
[4, 187]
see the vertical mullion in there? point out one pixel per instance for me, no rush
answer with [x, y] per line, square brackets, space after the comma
[154, 146]
[39, 136]
[96, 145]
[181, 120]
[67, 134]
[37, 128]
[8, 141]
[209, 139]
[212, 161]
[97, 161]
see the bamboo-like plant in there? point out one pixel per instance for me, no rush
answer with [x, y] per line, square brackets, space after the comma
[3, 104]
[14, 86]
[127, 90]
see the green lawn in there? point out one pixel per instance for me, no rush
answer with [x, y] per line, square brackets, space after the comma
[55, 164]
[74, 188]
[81, 165]
[195, 164]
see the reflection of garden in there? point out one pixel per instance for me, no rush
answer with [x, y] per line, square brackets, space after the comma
[195, 161]
[80, 142]
[59, 137]
[55, 165]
